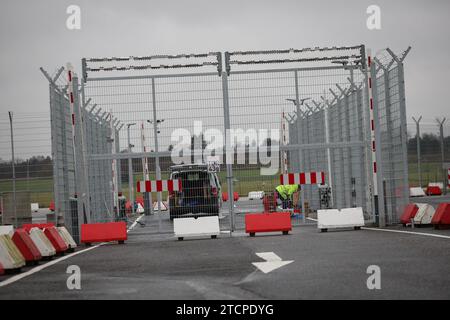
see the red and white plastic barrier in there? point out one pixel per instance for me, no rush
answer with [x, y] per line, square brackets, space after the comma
[8, 229]
[44, 245]
[159, 185]
[303, 178]
[441, 218]
[425, 214]
[409, 213]
[26, 246]
[10, 256]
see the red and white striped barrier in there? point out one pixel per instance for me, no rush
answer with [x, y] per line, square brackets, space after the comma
[372, 124]
[303, 178]
[448, 178]
[159, 185]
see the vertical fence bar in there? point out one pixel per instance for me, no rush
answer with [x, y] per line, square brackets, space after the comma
[228, 148]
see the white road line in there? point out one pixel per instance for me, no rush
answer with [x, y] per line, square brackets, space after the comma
[135, 222]
[42, 267]
[48, 264]
[402, 231]
[409, 232]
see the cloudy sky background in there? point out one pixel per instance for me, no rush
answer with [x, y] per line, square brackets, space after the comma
[34, 34]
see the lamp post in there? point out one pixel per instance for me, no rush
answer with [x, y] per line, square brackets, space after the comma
[130, 168]
[155, 123]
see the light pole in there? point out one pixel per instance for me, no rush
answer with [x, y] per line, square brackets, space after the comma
[155, 123]
[13, 168]
[130, 168]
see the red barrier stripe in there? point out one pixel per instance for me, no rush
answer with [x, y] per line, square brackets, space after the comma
[73, 119]
[70, 75]
[148, 186]
[322, 175]
[71, 97]
[138, 186]
[373, 145]
[370, 83]
[375, 167]
[371, 103]
[313, 178]
[302, 178]
[170, 185]
[291, 178]
[159, 187]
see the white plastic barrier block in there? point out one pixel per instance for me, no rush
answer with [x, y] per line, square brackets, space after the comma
[194, 227]
[9, 230]
[344, 218]
[34, 207]
[10, 256]
[252, 195]
[425, 214]
[67, 237]
[42, 243]
[416, 192]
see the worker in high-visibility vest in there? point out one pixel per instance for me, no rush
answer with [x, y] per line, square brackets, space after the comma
[285, 194]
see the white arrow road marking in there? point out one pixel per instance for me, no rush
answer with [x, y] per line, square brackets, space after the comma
[272, 262]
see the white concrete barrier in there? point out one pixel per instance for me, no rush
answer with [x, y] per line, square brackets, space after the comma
[425, 214]
[194, 227]
[35, 207]
[416, 192]
[67, 237]
[42, 243]
[10, 256]
[9, 230]
[252, 195]
[344, 218]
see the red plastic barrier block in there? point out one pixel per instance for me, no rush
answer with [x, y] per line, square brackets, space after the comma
[26, 246]
[2, 270]
[52, 206]
[56, 240]
[442, 215]
[224, 196]
[28, 226]
[268, 222]
[433, 191]
[409, 213]
[104, 232]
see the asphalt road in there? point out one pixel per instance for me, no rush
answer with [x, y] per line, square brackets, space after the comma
[326, 265]
[330, 265]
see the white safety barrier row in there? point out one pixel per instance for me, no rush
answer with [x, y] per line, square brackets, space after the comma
[44, 245]
[425, 214]
[195, 227]
[416, 192]
[344, 218]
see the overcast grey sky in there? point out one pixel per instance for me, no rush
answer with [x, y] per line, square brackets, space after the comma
[34, 34]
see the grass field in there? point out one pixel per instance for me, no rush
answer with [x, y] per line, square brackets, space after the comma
[245, 180]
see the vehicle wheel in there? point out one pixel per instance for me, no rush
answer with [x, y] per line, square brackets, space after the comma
[285, 233]
[121, 241]
[252, 234]
[180, 238]
[357, 228]
[323, 230]
[214, 236]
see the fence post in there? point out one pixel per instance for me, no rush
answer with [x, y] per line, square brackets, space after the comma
[419, 170]
[441, 134]
[13, 168]
[228, 148]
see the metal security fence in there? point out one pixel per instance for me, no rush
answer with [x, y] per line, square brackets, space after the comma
[308, 110]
